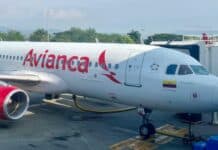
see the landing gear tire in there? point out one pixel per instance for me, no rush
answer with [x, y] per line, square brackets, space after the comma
[146, 130]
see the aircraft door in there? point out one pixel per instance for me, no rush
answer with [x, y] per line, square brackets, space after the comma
[133, 69]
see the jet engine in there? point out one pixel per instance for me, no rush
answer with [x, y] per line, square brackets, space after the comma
[14, 102]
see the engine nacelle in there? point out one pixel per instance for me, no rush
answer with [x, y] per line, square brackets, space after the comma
[14, 102]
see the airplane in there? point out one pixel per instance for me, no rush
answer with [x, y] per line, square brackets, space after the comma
[132, 74]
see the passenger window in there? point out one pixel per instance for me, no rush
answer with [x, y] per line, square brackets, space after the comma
[171, 69]
[116, 66]
[21, 58]
[184, 70]
[90, 64]
[96, 64]
[72, 63]
[103, 65]
[109, 65]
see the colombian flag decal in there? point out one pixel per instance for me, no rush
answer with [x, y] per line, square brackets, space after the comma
[169, 83]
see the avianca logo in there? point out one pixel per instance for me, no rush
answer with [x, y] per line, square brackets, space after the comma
[103, 64]
[63, 62]
[52, 61]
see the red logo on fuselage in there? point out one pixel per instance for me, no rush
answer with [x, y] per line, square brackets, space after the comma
[72, 63]
[52, 61]
[102, 62]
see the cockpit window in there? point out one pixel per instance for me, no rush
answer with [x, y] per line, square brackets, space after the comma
[199, 70]
[184, 70]
[171, 69]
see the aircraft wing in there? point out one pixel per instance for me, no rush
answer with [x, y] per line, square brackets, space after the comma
[24, 79]
[34, 81]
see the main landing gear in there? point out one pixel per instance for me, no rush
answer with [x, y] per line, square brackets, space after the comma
[147, 129]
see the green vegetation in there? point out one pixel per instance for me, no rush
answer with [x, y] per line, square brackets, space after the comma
[2, 36]
[163, 37]
[135, 36]
[114, 38]
[75, 35]
[11, 36]
[39, 35]
[88, 35]
[191, 38]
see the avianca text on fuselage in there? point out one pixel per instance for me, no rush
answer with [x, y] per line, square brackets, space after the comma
[52, 61]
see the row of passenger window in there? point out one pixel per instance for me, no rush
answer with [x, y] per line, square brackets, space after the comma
[95, 64]
[11, 57]
[186, 69]
[116, 66]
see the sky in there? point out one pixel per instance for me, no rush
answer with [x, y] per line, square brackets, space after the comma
[112, 16]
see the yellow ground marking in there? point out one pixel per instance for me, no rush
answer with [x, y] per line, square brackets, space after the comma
[165, 134]
[29, 113]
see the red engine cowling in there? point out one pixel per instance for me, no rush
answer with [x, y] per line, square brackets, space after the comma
[14, 102]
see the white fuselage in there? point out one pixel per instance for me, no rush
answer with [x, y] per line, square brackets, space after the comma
[129, 74]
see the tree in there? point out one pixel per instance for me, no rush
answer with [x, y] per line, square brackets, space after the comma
[39, 35]
[3, 36]
[89, 35]
[126, 39]
[148, 40]
[75, 35]
[163, 37]
[114, 38]
[135, 36]
[14, 36]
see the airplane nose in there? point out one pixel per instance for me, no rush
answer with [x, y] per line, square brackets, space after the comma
[210, 91]
[204, 93]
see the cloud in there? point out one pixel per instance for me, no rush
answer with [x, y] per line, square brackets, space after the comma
[64, 14]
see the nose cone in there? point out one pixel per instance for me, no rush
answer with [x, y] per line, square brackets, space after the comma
[207, 88]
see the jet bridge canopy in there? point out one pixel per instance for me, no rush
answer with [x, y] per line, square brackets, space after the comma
[190, 48]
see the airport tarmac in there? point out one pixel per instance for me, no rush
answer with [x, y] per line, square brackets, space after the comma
[57, 127]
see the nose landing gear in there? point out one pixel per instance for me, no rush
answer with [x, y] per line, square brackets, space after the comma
[147, 129]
